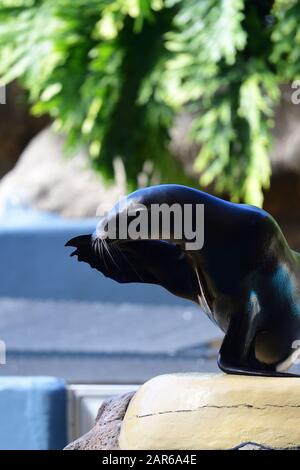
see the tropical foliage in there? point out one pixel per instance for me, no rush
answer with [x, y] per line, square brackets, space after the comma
[113, 74]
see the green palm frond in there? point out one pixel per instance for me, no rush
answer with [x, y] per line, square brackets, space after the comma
[113, 74]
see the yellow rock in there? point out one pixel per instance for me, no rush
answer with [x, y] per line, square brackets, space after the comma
[207, 411]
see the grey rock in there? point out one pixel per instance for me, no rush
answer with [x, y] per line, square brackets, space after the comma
[105, 434]
[46, 180]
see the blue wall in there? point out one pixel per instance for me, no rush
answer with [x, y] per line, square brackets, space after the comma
[33, 413]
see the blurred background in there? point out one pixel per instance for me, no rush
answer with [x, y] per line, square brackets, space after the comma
[99, 98]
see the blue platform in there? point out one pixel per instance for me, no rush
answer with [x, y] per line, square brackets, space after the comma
[33, 413]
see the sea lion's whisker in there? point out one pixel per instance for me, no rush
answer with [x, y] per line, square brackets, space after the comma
[103, 256]
[128, 262]
[109, 251]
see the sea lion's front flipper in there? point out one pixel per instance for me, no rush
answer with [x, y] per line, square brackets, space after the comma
[164, 264]
[247, 368]
[237, 353]
[151, 261]
[154, 262]
[237, 350]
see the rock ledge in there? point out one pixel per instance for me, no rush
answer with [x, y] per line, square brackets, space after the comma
[200, 411]
[213, 411]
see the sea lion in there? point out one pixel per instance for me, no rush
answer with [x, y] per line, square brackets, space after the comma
[245, 276]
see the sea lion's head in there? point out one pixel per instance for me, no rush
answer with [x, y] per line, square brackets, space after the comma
[145, 238]
[170, 213]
